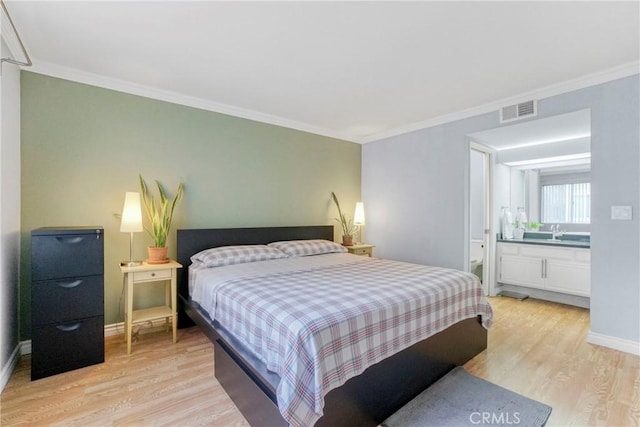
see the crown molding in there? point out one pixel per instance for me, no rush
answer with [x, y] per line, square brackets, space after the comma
[124, 86]
[593, 79]
[54, 70]
[9, 36]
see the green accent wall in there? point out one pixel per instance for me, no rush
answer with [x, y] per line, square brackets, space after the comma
[83, 148]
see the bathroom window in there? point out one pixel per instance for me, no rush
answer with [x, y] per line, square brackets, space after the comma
[565, 203]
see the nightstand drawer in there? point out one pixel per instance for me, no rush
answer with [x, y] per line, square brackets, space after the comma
[61, 300]
[361, 251]
[67, 255]
[145, 276]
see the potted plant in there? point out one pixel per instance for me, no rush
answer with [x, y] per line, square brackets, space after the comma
[533, 226]
[348, 228]
[160, 214]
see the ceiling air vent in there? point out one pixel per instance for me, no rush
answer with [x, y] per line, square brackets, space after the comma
[518, 111]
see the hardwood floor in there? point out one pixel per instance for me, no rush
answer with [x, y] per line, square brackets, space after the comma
[536, 348]
[160, 383]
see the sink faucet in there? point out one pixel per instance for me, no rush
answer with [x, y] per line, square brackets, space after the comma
[556, 232]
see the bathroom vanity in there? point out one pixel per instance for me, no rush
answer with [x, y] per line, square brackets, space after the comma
[557, 267]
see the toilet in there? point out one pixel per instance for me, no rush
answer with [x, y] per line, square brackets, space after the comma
[476, 257]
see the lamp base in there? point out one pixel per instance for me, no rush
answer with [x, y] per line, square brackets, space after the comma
[130, 263]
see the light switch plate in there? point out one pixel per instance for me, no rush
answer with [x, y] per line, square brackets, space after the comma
[621, 212]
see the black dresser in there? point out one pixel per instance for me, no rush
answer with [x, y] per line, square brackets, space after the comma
[67, 299]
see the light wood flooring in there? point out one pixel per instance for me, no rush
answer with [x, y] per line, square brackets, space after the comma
[536, 348]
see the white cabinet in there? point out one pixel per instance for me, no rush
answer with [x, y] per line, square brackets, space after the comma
[558, 269]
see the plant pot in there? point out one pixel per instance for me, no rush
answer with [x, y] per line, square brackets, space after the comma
[347, 240]
[518, 233]
[157, 255]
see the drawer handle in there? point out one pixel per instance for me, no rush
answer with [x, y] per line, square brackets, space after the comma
[69, 285]
[153, 274]
[69, 328]
[70, 240]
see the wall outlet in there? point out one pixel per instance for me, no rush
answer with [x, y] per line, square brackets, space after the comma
[621, 213]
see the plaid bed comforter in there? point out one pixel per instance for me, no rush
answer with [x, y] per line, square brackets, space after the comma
[319, 326]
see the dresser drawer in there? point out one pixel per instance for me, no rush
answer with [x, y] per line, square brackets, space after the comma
[66, 255]
[145, 276]
[55, 348]
[62, 300]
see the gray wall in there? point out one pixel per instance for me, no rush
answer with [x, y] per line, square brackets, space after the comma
[615, 180]
[9, 212]
[416, 189]
[83, 148]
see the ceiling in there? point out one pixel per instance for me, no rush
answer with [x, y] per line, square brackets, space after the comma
[358, 71]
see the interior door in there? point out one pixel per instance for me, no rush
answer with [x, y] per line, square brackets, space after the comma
[480, 214]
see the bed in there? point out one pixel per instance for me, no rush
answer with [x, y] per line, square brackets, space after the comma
[366, 399]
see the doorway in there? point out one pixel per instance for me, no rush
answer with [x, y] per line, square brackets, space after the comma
[528, 161]
[480, 213]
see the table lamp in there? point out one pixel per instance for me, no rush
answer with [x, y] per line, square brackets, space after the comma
[358, 218]
[131, 222]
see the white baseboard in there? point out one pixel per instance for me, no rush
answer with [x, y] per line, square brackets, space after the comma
[114, 329]
[615, 343]
[9, 367]
[143, 328]
[25, 347]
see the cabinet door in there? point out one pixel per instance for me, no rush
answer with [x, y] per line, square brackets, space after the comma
[523, 271]
[569, 277]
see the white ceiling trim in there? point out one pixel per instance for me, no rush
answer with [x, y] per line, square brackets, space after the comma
[9, 36]
[119, 85]
[54, 70]
[604, 76]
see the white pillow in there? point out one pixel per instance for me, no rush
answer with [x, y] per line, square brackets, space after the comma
[296, 248]
[228, 255]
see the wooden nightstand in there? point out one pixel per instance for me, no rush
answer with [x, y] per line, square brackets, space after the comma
[361, 249]
[150, 273]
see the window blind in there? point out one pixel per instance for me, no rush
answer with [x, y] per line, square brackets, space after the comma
[566, 203]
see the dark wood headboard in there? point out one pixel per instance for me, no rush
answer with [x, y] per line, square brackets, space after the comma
[192, 241]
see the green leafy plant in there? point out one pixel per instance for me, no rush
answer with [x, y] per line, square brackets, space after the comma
[159, 212]
[533, 225]
[348, 228]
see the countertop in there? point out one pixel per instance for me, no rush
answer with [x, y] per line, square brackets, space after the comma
[548, 242]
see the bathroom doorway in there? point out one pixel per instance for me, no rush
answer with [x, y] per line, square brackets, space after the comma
[529, 160]
[480, 213]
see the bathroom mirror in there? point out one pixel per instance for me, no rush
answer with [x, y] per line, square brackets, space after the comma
[551, 156]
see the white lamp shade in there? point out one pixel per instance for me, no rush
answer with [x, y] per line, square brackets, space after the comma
[131, 213]
[358, 215]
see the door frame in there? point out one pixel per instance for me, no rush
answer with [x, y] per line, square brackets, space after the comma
[488, 263]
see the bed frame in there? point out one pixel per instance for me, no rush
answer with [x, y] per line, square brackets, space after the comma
[365, 400]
